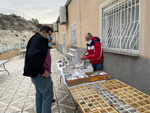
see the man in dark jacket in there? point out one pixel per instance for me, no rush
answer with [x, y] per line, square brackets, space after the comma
[37, 66]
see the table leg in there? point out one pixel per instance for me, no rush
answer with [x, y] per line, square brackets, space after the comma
[60, 78]
[76, 108]
[74, 102]
[5, 69]
[57, 102]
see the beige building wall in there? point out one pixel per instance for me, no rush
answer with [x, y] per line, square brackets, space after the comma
[144, 39]
[85, 13]
[62, 28]
[73, 18]
[90, 18]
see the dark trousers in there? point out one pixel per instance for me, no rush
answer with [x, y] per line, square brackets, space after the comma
[98, 67]
[44, 93]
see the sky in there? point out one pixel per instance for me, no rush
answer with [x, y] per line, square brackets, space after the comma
[46, 11]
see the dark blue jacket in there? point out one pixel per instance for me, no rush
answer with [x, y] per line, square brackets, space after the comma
[37, 49]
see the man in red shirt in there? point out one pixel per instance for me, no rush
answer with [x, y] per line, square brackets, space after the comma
[94, 52]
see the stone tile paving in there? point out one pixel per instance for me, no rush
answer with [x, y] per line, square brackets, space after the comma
[17, 93]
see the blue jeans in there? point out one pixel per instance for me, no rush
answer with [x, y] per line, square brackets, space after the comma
[98, 67]
[44, 93]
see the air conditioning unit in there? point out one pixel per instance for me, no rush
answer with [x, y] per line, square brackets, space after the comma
[55, 27]
[63, 15]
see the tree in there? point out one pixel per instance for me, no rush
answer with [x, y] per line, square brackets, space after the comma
[36, 23]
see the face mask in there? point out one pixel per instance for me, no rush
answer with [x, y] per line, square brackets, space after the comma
[89, 42]
[49, 44]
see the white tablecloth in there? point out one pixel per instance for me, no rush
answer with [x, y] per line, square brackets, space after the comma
[63, 77]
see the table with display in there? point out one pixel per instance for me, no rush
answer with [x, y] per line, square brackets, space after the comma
[68, 87]
[111, 96]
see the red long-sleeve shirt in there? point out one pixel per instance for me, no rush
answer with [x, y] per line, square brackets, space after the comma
[94, 52]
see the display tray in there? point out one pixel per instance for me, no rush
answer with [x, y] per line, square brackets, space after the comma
[120, 105]
[82, 91]
[117, 98]
[135, 98]
[98, 75]
[113, 84]
[95, 104]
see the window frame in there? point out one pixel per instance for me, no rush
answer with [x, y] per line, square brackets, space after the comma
[64, 49]
[73, 26]
[115, 50]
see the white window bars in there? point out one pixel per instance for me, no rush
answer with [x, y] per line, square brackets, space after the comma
[73, 35]
[64, 42]
[120, 26]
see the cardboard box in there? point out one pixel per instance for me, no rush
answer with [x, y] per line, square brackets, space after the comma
[67, 74]
[98, 77]
[84, 69]
[77, 81]
[69, 70]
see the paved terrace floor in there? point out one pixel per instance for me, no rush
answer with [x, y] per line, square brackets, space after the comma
[17, 93]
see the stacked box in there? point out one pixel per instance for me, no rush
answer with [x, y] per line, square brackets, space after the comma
[69, 70]
[98, 76]
[77, 79]
[84, 69]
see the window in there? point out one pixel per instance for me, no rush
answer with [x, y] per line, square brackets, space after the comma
[120, 26]
[64, 42]
[64, 38]
[73, 35]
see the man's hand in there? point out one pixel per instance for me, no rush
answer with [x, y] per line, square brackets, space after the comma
[83, 57]
[46, 74]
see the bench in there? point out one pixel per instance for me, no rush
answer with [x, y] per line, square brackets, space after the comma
[2, 63]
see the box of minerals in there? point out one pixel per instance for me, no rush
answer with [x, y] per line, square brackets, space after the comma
[69, 69]
[98, 75]
[77, 79]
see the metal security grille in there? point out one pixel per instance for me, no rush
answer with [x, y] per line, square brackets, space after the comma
[64, 42]
[73, 36]
[120, 26]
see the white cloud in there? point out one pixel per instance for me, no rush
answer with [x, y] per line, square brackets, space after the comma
[46, 11]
